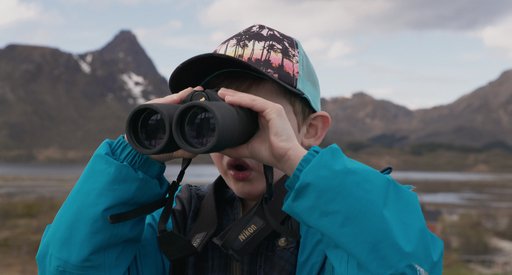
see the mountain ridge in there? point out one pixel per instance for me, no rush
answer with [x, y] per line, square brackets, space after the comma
[70, 102]
[476, 119]
[58, 106]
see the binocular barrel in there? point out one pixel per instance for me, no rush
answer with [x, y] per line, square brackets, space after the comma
[149, 128]
[205, 127]
[198, 127]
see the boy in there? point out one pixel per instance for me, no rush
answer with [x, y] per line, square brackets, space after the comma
[352, 219]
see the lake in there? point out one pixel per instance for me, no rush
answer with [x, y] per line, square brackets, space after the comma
[454, 188]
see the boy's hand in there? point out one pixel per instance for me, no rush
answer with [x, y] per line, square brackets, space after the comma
[174, 99]
[276, 142]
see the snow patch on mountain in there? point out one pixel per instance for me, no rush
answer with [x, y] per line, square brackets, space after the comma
[135, 84]
[85, 64]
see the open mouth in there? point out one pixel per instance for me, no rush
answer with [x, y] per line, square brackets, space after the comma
[238, 165]
[239, 170]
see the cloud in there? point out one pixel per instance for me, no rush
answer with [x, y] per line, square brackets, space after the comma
[14, 11]
[498, 36]
[338, 48]
[307, 17]
[156, 32]
[303, 18]
[175, 35]
[318, 23]
[457, 15]
[321, 26]
[104, 3]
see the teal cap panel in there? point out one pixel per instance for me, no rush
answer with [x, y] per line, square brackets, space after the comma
[307, 81]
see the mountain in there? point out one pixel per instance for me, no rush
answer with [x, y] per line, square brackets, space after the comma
[481, 119]
[58, 105]
[362, 118]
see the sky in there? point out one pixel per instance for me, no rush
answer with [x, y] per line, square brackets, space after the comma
[416, 53]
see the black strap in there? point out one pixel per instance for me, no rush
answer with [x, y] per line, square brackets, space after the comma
[241, 237]
[152, 206]
[166, 212]
[277, 218]
[268, 172]
[206, 222]
[387, 170]
[137, 212]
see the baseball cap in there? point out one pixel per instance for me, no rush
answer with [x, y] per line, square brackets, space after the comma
[259, 50]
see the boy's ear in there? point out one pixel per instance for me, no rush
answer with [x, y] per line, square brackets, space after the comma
[315, 128]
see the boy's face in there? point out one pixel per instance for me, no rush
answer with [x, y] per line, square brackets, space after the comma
[245, 177]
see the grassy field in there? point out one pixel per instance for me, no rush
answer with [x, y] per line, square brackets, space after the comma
[433, 160]
[23, 222]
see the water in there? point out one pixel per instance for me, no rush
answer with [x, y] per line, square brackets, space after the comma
[56, 180]
[451, 176]
[203, 173]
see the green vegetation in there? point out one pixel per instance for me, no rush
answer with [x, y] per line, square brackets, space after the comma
[453, 266]
[436, 158]
[467, 235]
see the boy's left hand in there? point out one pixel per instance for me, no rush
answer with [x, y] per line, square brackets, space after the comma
[276, 142]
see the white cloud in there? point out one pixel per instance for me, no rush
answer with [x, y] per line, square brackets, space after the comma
[321, 26]
[338, 49]
[172, 34]
[307, 18]
[157, 32]
[14, 11]
[498, 36]
[301, 18]
[326, 27]
[105, 3]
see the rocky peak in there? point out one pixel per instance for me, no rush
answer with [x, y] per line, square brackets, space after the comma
[124, 52]
[71, 102]
[362, 96]
[124, 42]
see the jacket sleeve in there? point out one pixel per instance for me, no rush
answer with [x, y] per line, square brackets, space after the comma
[359, 218]
[82, 241]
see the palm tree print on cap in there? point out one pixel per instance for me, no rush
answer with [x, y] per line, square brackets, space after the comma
[271, 51]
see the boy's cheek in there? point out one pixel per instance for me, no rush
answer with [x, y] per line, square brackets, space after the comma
[217, 160]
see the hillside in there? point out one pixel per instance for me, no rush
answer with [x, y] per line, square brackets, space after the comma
[58, 106]
[481, 119]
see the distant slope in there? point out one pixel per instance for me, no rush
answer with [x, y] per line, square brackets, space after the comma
[481, 119]
[58, 105]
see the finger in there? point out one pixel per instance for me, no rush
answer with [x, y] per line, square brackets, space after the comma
[246, 100]
[173, 155]
[176, 98]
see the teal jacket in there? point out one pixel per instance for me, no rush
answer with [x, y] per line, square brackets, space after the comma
[353, 219]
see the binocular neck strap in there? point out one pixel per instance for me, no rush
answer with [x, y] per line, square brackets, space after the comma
[153, 206]
[268, 171]
[173, 188]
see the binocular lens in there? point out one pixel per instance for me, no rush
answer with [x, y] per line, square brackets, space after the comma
[199, 128]
[151, 130]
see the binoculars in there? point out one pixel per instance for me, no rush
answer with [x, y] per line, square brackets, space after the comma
[202, 123]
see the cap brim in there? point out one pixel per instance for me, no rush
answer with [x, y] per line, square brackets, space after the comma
[194, 71]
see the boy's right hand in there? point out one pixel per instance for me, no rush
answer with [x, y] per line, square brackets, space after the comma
[174, 99]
